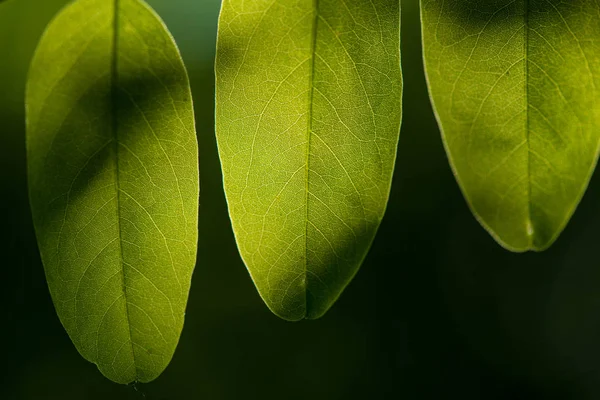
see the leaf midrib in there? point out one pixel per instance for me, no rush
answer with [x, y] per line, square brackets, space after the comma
[115, 132]
[529, 229]
[308, 143]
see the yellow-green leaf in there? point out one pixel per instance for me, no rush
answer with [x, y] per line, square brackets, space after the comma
[515, 86]
[113, 178]
[308, 118]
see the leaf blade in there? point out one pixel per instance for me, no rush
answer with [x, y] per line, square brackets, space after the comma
[112, 159]
[519, 76]
[308, 121]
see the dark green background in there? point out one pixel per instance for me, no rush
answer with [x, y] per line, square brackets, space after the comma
[438, 310]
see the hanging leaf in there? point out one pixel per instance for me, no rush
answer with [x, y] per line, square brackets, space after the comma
[515, 86]
[308, 118]
[113, 177]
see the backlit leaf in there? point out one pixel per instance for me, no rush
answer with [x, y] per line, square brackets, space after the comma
[113, 177]
[515, 87]
[308, 118]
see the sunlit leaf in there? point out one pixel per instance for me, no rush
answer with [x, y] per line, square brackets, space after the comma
[515, 86]
[113, 177]
[308, 118]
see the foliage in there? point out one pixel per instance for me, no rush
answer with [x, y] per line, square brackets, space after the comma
[514, 87]
[308, 112]
[308, 119]
[113, 174]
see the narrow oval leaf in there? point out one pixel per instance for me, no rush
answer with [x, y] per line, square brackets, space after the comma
[308, 118]
[113, 177]
[515, 86]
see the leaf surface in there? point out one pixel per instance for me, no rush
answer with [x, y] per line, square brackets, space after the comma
[308, 118]
[515, 87]
[113, 178]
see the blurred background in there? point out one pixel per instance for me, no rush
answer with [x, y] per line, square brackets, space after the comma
[438, 310]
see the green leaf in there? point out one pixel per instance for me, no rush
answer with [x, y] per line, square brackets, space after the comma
[113, 177]
[308, 118]
[515, 87]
